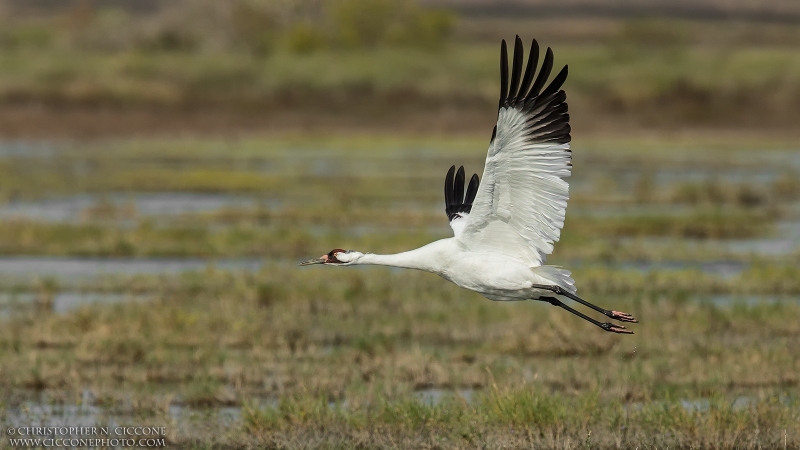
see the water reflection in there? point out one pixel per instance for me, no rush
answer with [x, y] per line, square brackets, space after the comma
[62, 302]
[728, 300]
[435, 396]
[85, 414]
[66, 267]
[126, 206]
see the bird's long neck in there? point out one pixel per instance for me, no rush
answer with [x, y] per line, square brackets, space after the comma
[425, 258]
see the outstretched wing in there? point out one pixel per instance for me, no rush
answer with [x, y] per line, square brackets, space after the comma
[457, 204]
[520, 205]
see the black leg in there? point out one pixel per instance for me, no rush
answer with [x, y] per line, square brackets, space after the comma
[618, 315]
[608, 326]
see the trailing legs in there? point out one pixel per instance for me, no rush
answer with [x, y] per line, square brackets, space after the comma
[608, 326]
[558, 290]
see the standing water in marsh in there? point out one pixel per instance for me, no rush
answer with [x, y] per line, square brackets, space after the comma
[180, 273]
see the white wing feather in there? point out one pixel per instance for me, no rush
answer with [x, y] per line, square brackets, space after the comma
[458, 223]
[522, 199]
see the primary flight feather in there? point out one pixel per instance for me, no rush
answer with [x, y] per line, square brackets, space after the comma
[506, 222]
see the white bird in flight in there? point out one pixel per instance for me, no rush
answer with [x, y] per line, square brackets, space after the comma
[508, 221]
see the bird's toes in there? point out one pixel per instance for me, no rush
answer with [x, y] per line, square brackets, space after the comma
[623, 317]
[614, 328]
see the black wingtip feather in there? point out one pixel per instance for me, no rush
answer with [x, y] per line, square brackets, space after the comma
[455, 200]
[530, 69]
[448, 187]
[543, 104]
[557, 82]
[503, 73]
[544, 73]
[516, 70]
[458, 188]
[472, 189]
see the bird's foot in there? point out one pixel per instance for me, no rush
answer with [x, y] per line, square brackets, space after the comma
[622, 317]
[614, 328]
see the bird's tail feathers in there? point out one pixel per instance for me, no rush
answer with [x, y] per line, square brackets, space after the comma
[557, 275]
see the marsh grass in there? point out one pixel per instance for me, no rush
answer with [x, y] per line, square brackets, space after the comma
[273, 236]
[206, 57]
[705, 84]
[526, 416]
[373, 357]
[374, 193]
[340, 355]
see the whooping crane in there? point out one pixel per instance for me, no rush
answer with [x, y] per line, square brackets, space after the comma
[506, 223]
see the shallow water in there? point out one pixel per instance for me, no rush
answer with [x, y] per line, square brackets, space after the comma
[62, 302]
[699, 405]
[27, 149]
[723, 269]
[728, 300]
[434, 396]
[65, 302]
[79, 207]
[763, 247]
[785, 242]
[625, 210]
[67, 267]
[85, 414]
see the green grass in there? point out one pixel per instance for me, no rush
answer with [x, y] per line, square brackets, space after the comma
[524, 417]
[662, 86]
[278, 235]
[374, 193]
[366, 340]
[461, 69]
[340, 358]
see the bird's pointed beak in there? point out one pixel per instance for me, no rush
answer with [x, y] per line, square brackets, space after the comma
[320, 260]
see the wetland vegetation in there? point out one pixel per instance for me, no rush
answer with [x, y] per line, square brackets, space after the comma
[396, 358]
[208, 67]
[148, 274]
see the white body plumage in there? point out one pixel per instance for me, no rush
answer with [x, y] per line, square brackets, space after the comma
[494, 275]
